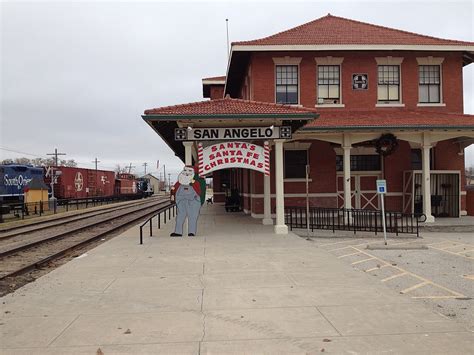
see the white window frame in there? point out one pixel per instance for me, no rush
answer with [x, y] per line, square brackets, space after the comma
[432, 61]
[391, 61]
[329, 60]
[287, 60]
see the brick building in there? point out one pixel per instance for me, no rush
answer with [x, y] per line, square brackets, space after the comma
[364, 102]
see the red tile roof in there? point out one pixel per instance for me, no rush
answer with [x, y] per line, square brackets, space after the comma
[388, 118]
[215, 78]
[228, 106]
[334, 30]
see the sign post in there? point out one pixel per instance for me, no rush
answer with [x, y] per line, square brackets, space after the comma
[382, 190]
[307, 200]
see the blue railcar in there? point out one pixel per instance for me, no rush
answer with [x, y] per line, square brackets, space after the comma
[14, 178]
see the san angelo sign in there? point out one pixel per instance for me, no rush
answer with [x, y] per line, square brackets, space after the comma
[233, 151]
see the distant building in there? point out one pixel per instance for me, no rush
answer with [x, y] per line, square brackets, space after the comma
[156, 183]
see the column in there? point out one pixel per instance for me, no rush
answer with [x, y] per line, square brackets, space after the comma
[267, 204]
[346, 146]
[188, 153]
[426, 178]
[280, 227]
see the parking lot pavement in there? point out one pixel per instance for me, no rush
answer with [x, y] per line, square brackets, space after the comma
[437, 269]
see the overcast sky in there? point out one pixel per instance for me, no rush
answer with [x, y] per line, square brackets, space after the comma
[78, 75]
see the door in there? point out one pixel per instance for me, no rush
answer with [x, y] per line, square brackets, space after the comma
[363, 191]
[366, 192]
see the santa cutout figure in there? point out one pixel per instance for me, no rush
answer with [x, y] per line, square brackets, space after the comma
[189, 193]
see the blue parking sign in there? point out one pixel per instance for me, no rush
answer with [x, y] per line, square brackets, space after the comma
[381, 186]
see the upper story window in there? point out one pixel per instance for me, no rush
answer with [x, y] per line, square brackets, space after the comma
[430, 81]
[286, 84]
[329, 84]
[429, 88]
[388, 89]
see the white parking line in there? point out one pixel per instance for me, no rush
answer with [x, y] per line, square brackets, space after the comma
[421, 284]
[393, 277]
[361, 261]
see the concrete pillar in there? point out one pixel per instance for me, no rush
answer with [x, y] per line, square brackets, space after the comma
[346, 146]
[188, 153]
[426, 178]
[280, 227]
[267, 204]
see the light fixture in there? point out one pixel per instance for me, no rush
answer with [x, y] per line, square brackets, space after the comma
[190, 128]
[272, 126]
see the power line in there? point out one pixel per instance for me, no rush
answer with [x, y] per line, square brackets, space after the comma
[19, 152]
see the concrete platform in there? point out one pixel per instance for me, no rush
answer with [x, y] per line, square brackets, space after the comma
[236, 288]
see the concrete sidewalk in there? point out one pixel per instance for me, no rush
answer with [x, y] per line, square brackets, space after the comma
[236, 288]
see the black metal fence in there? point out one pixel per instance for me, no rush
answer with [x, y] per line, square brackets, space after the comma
[14, 211]
[162, 211]
[356, 220]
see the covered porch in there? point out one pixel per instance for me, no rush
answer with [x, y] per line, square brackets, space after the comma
[181, 127]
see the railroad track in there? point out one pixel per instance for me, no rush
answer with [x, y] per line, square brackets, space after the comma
[25, 253]
[35, 226]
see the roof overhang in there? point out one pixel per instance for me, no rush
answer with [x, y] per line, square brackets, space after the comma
[164, 125]
[386, 128]
[351, 47]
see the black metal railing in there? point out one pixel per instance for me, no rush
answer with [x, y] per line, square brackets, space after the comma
[13, 211]
[162, 211]
[355, 220]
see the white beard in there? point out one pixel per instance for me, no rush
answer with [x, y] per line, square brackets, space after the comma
[185, 179]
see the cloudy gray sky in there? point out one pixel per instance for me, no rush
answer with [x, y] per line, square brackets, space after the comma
[78, 75]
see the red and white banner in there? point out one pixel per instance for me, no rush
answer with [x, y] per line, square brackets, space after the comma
[234, 155]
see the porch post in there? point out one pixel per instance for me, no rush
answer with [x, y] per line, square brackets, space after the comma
[346, 146]
[280, 227]
[426, 178]
[188, 154]
[267, 213]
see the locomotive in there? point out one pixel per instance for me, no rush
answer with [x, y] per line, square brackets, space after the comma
[14, 178]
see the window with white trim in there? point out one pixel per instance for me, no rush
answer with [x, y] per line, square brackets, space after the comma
[295, 163]
[329, 84]
[429, 84]
[388, 88]
[286, 84]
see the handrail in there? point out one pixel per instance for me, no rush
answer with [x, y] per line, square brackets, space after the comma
[169, 208]
[353, 220]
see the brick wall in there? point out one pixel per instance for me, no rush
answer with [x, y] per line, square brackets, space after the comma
[263, 78]
[217, 92]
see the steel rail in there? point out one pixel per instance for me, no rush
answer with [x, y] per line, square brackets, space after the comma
[38, 263]
[60, 235]
[4, 233]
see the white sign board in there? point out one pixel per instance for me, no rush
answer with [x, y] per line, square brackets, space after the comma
[381, 186]
[229, 133]
[234, 155]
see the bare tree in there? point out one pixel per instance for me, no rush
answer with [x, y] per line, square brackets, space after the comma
[39, 162]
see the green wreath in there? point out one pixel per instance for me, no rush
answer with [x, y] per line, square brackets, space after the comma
[386, 144]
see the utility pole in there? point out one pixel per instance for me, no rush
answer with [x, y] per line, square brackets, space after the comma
[145, 164]
[96, 162]
[164, 175]
[169, 180]
[56, 156]
[96, 180]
